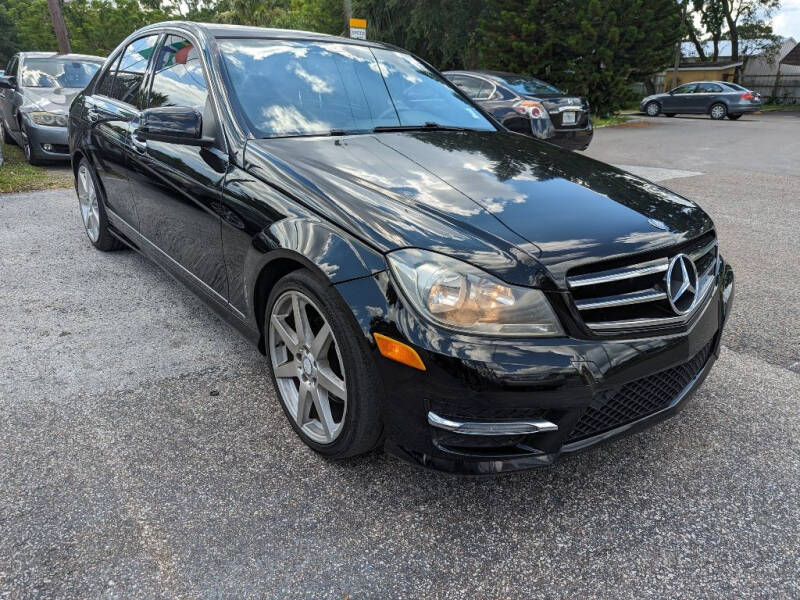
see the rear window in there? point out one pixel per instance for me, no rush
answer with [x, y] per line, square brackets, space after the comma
[530, 86]
[289, 88]
[57, 73]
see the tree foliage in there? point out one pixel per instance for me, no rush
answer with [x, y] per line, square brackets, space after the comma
[589, 47]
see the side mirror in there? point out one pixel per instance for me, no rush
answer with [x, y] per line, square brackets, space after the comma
[173, 125]
[8, 83]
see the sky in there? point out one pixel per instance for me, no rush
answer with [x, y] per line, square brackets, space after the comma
[786, 21]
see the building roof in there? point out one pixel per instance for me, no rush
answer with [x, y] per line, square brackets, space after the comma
[793, 57]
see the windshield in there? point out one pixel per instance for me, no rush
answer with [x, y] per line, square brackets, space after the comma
[289, 88]
[57, 73]
[530, 86]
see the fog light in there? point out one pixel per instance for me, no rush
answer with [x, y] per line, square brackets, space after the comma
[47, 147]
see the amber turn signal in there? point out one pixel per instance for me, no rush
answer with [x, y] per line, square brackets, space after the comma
[398, 351]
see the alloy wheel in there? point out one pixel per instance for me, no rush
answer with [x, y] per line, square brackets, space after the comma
[652, 109]
[308, 366]
[87, 197]
[718, 111]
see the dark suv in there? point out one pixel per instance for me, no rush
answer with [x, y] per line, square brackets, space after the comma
[418, 277]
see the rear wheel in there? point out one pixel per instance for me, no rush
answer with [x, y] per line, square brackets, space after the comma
[652, 109]
[93, 212]
[734, 117]
[321, 367]
[718, 111]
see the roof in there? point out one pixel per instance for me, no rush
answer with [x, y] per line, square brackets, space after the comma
[793, 57]
[719, 65]
[220, 30]
[62, 56]
[746, 48]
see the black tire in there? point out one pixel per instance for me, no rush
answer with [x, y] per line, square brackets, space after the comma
[106, 242]
[363, 428]
[27, 149]
[734, 117]
[670, 114]
[6, 136]
[652, 109]
[718, 111]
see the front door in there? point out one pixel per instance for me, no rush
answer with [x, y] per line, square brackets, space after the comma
[680, 100]
[178, 187]
[114, 104]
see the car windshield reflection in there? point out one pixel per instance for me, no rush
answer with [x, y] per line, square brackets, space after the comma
[301, 88]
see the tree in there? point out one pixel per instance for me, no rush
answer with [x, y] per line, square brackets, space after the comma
[591, 48]
[745, 12]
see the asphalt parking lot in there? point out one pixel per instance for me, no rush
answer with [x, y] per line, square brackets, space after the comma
[144, 454]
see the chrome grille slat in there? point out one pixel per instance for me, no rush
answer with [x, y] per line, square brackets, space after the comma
[621, 299]
[646, 268]
[641, 300]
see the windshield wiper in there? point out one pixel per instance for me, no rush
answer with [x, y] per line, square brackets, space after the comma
[429, 126]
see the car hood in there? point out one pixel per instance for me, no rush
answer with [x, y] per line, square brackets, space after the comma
[509, 204]
[55, 100]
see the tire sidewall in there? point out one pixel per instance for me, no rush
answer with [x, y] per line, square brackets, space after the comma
[647, 109]
[358, 371]
[105, 241]
[724, 111]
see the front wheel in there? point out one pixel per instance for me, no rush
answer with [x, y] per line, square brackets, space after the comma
[734, 117]
[652, 109]
[30, 155]
[718, 112]
[321, 367]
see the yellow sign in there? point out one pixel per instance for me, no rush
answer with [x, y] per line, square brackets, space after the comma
[358, 29]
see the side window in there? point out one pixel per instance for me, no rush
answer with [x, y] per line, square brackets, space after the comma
[685, 89]
[11, 70]
[469, 85]
[106, 82]
[486, 91]
[132, 67]
[178, 79]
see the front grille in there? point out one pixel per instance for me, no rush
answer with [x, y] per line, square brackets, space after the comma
[639, 398]
[633, 294]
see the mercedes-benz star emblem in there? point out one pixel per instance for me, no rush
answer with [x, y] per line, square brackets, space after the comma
[658, 224]
[681, 284]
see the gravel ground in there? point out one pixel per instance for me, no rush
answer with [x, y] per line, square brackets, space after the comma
[144, 454]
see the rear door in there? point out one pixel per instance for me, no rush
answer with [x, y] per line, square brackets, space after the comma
[706, 94]
[178, 187]
[116, 100]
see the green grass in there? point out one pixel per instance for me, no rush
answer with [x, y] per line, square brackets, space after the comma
[774, 107]
[16, 175]
[610, 121]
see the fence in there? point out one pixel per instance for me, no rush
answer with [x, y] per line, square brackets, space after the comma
[775, 89]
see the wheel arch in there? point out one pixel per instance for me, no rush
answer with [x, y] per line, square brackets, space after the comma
[303, 243]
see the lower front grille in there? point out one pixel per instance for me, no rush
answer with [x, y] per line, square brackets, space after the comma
[612, 408]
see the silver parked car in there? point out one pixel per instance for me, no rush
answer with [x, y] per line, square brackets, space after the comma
[35, 94]
[718, 99]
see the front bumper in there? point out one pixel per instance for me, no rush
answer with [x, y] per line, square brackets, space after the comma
[563, 382]
[47, 143]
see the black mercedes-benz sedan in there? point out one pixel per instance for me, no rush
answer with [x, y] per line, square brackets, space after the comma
[529, 106]
[419, 278]
[717, 99]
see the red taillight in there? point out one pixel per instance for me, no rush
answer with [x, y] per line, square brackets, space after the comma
[533, 109]
[747, 96]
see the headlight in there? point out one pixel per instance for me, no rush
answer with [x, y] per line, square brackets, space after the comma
[462, 297]
[49, 119]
